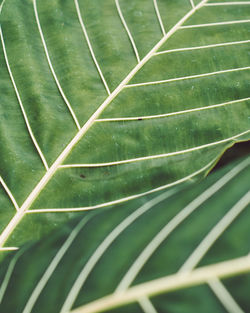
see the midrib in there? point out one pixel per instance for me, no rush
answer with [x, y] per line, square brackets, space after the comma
[49, 174]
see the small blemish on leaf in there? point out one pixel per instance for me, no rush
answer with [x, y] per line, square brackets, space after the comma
[140, 119]
[82, 176]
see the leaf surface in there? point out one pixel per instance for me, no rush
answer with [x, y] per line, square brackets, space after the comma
[105, 103]
[184, 250]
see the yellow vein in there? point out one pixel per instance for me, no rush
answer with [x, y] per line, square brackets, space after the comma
[52, 69]
[9, 193]
[179, 181]
[53, 265]
[21, 105]
[224, 296]
[90, 46]
[163, 234]
[127, 30]
[46, 178]
[204, 47]
[216, 24]
[157, 156]
[159, 17]
[228, 3]
[105, 244]
[215, 233]
[187, 77]
[168, 283]
[145, 117]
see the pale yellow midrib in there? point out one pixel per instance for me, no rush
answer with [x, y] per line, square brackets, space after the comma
[49, 174]
[168, 283]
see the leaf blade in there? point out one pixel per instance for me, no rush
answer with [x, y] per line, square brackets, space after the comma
[44, 20]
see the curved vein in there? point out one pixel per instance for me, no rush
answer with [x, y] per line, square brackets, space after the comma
[172, 282]
[53, 265]
[127, 30]
[223, 44]
[163, 234]
[8, 274]
[106, 243]
[145, 117]
[90, 46]
[159, 17]
[187, 77]
[7, 190]
[52, 170]
[52, 69]
[215, 233]
[157, 156]
[21, 105]
[179, 181]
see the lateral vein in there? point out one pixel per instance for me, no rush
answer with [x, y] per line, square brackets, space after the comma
[182, 180]
[9, 248]
[53, 264]
[9, 193]
[21, 105]
[1, 6]
[127, 30]
[192, 3]
[223, 44]
[224, 296]
[187, 77]
[215, 24]
[157, 156]
[146, 305]
[227, 3]
[8, 274]
[159, 17]
[52, 69]
[145, 117]
[90, 46]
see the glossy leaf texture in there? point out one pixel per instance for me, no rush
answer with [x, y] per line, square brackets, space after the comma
[184, 250]
[105, 102]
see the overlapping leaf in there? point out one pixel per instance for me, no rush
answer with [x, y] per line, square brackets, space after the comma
[172, 253]
[101, 103]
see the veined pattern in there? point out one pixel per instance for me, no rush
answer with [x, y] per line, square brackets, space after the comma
[74, 104]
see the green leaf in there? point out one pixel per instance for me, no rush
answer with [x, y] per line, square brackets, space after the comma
[185, 250]
[102, 103]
